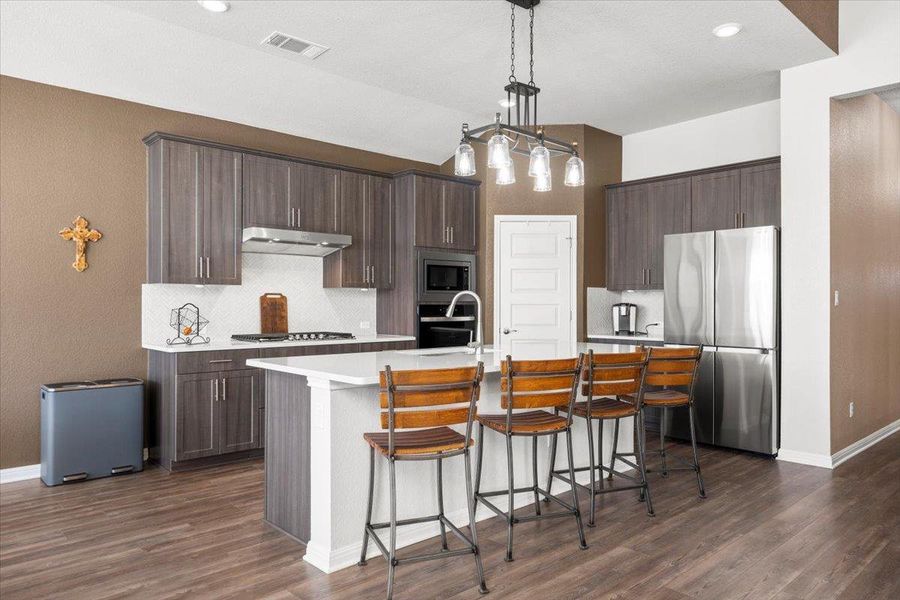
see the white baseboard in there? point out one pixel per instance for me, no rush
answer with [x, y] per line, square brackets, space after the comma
[20, 473]
[805, 458]
[348, 555]
[867, 442]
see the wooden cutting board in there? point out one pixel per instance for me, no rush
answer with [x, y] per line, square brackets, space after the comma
[273, 313]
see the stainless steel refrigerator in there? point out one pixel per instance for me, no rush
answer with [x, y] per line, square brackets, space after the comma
[721, 290]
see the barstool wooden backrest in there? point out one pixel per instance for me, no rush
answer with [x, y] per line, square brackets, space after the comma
[615, 374]
[417, 392]
[674, 367]
[539, 384]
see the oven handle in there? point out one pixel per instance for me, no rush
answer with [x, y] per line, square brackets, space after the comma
[445, 319]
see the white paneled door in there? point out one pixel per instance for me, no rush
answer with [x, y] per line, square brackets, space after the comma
[534, 285]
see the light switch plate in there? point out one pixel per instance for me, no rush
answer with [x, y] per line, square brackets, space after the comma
[837, 297]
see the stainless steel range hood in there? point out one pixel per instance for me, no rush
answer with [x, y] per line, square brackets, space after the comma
[265, 240]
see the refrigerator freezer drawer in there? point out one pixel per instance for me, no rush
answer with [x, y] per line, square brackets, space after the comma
[746, 413]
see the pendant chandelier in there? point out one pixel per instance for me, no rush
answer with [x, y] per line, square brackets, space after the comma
[526, 137]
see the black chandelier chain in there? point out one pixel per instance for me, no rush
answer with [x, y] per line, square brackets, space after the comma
[512, 44]
[531, 40]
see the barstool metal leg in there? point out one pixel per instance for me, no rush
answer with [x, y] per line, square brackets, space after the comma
[440, 499]
[552, 460]
[583, 544]
[615, 448]
[700, 487]
[478, 463]
[534, 476]
[512, 494]
[642, 437]
[479, 568]
[600, 450]
[365, 544]
[591, 469]
[663, 413]
[392, 561]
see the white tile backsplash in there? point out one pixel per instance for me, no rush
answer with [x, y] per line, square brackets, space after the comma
[600, 301]
[235, 308]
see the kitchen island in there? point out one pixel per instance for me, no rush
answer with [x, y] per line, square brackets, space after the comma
[318, 408]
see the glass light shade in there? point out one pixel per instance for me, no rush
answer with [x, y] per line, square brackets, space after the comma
[498, 152]
[506, 175]
[542, 183]
[574, 172]
[539, 163]
[464, 160]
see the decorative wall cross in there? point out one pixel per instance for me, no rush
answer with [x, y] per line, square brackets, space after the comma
[82, 235]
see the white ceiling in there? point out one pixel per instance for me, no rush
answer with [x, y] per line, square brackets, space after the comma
[401, 76]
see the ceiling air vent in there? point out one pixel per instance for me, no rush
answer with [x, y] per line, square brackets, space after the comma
[295, 45]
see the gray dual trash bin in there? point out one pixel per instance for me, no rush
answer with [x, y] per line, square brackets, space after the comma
[91, 429]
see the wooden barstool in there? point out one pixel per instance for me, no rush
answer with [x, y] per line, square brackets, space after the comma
[674, 368]
[456, 392]
[608, 379]
[532, 384]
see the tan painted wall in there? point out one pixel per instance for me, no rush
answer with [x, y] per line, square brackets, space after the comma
[602, 154]
[865, 267]
[65, 153]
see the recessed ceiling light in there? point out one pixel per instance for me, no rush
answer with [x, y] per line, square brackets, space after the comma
[727, 30]
[217, 6]
[506, 103]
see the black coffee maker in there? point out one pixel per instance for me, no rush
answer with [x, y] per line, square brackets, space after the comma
[624, 318]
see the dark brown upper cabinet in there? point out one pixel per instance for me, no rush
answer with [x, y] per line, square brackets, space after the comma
[290, 195]
[446, 213]
[626, 235]
[640, 214]
[267, 192]
[315, 198]
[715, 200]
[366, 214]
[195, 206]
[668, 211]
[761, 195]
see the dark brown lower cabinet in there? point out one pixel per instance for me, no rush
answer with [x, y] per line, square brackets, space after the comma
[196, 415]
[209, 407]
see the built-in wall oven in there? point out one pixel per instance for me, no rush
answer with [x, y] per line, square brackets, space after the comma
[444, 274]
[437, 330]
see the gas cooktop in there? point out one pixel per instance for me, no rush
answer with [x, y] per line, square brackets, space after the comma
[292, 337]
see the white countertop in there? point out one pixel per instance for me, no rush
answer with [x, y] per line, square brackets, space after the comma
[649, 338]
[229, 344]
[363, 368]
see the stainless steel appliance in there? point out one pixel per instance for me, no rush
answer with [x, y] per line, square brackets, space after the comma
[268, 240]
[290, 337]
[442, 275]
[624, 318]
[437, 330]
[721, 290]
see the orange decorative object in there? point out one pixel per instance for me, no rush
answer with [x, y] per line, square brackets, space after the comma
[81, 234]
[186, 330]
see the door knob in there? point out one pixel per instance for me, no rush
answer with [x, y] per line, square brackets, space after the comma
[508, 331]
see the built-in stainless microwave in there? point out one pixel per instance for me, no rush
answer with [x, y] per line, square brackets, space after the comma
[444, 274]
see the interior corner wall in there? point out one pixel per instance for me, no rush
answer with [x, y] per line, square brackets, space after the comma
[742, 134]
[869, 59]
[865, 268]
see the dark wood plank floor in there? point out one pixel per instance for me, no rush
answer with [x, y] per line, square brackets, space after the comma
[767, 530]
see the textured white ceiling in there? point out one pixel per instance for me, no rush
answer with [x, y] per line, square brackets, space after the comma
[402, 75]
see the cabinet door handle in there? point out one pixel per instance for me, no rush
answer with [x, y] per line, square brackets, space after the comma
[736, 221]
[223, 389]
[200, 268]
[207, 267]
[212, 393]
[220, 360]
[335, 203]
[216, 396]
[743, 216]
[373, 274]
[451, 234]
